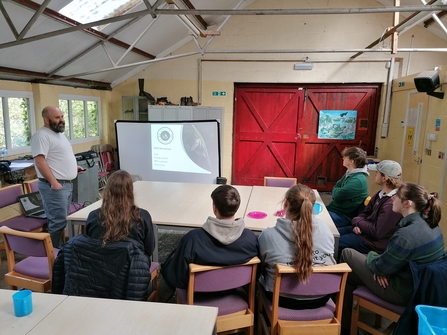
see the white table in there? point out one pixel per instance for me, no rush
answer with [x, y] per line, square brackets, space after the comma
[43, 304]
[172, 205]
[269, 200]
[186, 206]
[80, 315]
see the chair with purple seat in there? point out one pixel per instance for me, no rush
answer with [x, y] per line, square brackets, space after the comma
[35, 271]
[229, 288]
[364, 298]
[12, 214]
[279, 181]
[325, 280]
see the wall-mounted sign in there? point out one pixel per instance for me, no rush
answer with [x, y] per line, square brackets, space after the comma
[337, 124]
[219, 93]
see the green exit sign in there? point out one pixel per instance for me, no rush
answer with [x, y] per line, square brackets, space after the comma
[219, 94]
[401, 84]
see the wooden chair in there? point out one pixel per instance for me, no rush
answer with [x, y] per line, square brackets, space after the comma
[35, 271]
[223, 287]
[324, 320]
[155, 279]
[279, 181]
[364, 298]
[11, 214]
[30, 186]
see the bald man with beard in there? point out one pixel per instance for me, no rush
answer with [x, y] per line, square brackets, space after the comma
[56, 167]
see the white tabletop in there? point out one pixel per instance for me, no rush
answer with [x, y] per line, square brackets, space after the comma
[80, 315]
[189, 205]
[176, 204]
[43, 304]
[269, 200]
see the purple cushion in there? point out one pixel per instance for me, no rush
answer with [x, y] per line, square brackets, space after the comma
[154, 266]
[35, 266]
[365, 293]
[8, 196]
[24, 223]
[321, 313]
[226, 301]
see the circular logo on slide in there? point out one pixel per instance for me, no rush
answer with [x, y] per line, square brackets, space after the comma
[165, 135]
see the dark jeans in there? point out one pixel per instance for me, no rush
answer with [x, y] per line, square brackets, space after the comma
[340, 220]
[351, 240]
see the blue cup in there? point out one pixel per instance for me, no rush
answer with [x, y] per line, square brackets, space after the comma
[317, 208]
[23, 303]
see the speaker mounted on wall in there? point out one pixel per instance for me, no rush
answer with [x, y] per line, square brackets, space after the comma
[428, 81]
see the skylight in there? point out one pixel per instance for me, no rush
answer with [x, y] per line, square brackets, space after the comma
[85, 11]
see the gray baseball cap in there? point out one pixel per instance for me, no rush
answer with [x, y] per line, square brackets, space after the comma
[387, 167]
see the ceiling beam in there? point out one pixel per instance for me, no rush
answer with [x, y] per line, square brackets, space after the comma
[303, 11]
[8, 20]
[38, 77]
[431, 21]
[33, 19]
[74, 24]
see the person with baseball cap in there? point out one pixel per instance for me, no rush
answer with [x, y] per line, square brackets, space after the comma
[372, 228]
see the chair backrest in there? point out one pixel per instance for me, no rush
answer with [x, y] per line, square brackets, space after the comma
[30, 186]
[9, 194]
[323, 281]
[28, 244]
[207, 278]
[279, 181]
[106, 156]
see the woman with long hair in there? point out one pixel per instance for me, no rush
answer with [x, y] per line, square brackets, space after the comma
[119, 218]
[300, 240]
[419, 239]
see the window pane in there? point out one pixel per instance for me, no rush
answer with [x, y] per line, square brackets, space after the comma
[63, 106]
[2, 126]
[92, 115]
[77, 109]
[19, 122]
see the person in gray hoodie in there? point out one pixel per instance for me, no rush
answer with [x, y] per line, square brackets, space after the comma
[222, 240]
[300, 240]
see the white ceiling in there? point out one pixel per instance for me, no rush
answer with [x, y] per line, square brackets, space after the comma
[60, 51]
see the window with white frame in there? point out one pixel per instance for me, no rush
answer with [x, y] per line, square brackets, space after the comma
[82, 117]
[16, 121]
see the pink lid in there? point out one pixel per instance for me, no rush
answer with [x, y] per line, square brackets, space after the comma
[257, 215]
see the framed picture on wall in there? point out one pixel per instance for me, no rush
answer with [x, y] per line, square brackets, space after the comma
[337, 124]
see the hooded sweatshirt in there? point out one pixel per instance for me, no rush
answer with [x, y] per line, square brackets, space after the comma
[349, 193]
[277, 246]
[218, 242]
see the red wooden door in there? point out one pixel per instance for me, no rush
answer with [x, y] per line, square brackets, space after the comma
[265, 133]
[321, 158]
[276, 131]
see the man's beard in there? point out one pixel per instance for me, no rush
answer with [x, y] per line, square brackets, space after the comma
[57, 127]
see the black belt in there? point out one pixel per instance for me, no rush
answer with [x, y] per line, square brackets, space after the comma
[60, 181]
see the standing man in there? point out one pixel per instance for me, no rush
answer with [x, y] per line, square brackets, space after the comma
[56, 167]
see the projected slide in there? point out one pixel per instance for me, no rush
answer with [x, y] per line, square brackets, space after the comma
[184, 151]
[180, 148]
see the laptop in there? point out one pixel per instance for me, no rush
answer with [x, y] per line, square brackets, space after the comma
[32, 205]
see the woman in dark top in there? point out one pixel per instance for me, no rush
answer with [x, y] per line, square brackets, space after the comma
[119, 217]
